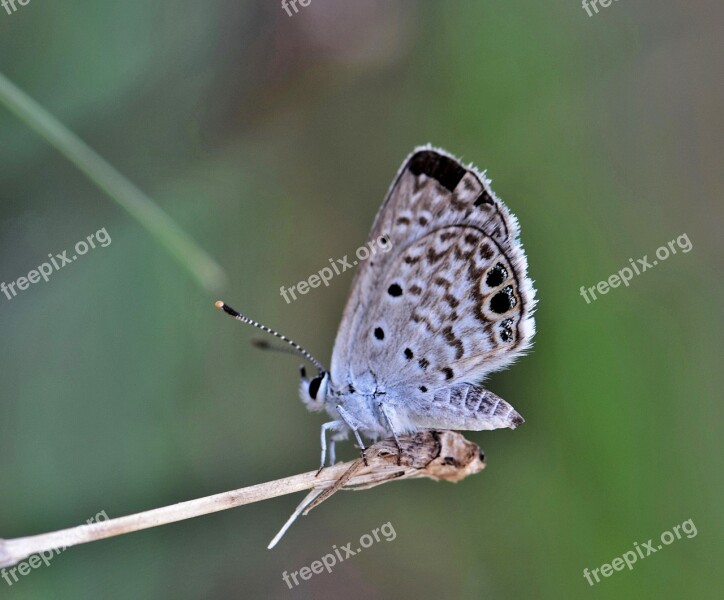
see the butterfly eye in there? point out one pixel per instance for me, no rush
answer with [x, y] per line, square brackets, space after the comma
[314, 386]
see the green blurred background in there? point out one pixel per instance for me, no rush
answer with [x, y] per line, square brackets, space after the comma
[271, 140]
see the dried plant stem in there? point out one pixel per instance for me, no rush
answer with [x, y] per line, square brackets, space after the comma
[443, 455]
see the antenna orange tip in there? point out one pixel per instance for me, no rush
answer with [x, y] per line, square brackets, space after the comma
[219, 304]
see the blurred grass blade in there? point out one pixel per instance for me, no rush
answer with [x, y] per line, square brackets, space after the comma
[203, 268]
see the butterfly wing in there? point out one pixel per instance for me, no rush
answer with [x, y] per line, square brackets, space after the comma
[451, 301]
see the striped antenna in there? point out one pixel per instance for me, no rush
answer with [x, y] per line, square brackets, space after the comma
[239, 317]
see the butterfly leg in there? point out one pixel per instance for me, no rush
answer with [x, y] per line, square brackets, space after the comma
[351, 422]
[323, 435]
[332, 453]
[392, 429]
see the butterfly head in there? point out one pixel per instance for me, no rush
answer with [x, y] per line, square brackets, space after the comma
[313, 391]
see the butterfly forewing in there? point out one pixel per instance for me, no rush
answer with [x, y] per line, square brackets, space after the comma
[451, 301]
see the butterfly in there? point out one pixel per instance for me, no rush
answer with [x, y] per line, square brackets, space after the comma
[425, 322]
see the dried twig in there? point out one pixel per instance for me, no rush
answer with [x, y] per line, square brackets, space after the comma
[440, 455]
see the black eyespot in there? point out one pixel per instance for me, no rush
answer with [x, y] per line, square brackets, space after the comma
[408, 354]
[394, 290]
[506, 330]
[503, 301]
[379, 333]
[423, 388]
[314, 386]
[497, 275]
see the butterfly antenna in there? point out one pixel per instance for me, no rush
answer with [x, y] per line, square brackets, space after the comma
[262, 344]
[239, 317]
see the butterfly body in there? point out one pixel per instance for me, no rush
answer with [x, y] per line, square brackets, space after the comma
[448, 303]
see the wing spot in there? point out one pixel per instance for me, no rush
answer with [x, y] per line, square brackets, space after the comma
[424, 320]
[424, 363]
[422, 221]
[394, 290]
[379, 333]
[433, 257]
[483, 198]
[457, 203]
[446, 171]
[423, 388]
[485, 252]
[408, 354]
[503, 301]
[452, 301]
[463, 256]
[453, 341]
[403, 221]
[506, 330]
[415, 290]
[496, 276]
[448, 373]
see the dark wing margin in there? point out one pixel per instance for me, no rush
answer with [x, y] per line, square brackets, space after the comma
[446, 171]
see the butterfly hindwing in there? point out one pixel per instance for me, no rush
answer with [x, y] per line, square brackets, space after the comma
[451, 300]
[449, 310]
